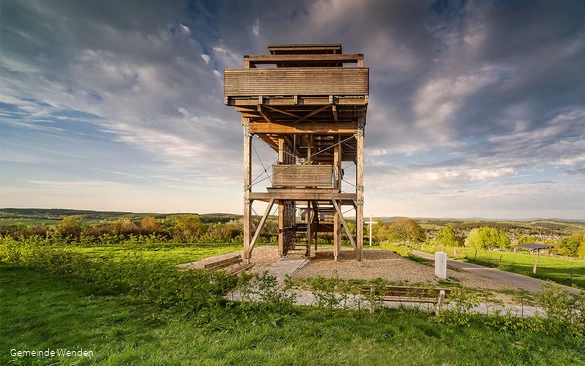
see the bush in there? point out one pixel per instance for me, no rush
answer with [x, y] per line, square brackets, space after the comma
[150, 281]
[565, 312]
[69, 228]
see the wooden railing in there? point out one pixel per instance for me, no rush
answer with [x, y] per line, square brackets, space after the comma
[284, 175]
[307, 81]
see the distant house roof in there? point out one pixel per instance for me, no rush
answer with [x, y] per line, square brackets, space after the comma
[534, 246]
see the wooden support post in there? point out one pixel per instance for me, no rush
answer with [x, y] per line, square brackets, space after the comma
[281, 229]
[344, 223]
[536, 262]
[337, 157]
[309, 228]
[260, 226]
[247, 188]
[360, 193]
[336, 236]
[316, 219]
[281, 159]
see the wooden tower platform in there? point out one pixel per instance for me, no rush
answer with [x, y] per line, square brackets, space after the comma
[310, 108]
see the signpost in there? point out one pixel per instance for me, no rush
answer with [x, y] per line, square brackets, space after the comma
[371, 222]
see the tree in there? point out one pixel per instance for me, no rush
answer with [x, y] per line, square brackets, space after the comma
[524, 239]
[124, 226]
[69, 227]
[148, 225]
[581, 250]
[447, 237]
[189, 228]
[502, 239]
[487, 237]
[405, 230]
[570, 246]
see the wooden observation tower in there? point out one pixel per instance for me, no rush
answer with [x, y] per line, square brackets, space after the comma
[309, 107]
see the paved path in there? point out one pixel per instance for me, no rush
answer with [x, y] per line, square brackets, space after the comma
[520, 281]
[286, 266]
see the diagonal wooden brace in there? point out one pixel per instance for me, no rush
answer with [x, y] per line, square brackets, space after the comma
[260, 226]
[338, 209]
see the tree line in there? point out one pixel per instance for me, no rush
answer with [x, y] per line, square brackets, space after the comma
[192, 229]
[407, 231]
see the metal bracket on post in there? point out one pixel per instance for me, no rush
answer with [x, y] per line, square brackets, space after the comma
[359, 202]
[360, 188]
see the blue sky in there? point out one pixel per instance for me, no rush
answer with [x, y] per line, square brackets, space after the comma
[477, 108]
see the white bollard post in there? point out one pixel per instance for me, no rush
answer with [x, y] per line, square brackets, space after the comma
[441, 265]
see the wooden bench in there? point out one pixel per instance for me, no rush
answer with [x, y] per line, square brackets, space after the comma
[236, 263]
[436, 296]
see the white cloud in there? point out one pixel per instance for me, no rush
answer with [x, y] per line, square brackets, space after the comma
[256, 28]
[205, 58]
[185, 30]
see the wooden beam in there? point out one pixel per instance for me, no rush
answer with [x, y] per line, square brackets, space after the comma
[249, 115]
[312, 114]
[302, 195]
[335, 115]
[286, 113]
[260, 110]
[327, 128]
[260, 227]
[344, 223]
[246, 109]
[273, 145]
[286, 59]
[357, 101]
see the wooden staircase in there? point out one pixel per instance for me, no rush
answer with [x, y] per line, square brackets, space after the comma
[295, 240]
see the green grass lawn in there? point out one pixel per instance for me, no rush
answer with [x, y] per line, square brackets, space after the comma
[169, 253]
[555, 269]
[28, 221]
[38, 311]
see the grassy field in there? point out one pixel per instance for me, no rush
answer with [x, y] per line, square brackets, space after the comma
[28, 221]
[169, 253]
[567, 272]
[39, 312]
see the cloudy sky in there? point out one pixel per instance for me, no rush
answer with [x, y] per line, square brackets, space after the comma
[477, 108]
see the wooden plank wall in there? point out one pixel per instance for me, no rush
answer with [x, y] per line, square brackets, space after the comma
[302, 175]
[296, 81]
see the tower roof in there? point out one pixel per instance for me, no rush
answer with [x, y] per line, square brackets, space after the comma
[305, 49]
